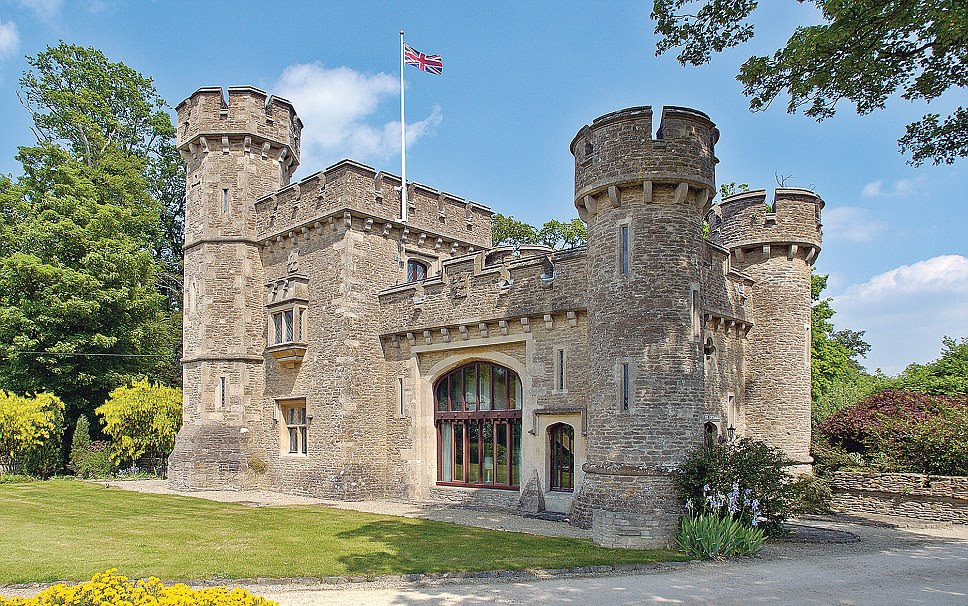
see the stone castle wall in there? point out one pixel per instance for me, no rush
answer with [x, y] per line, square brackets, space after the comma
[940, 498]
[694, 320]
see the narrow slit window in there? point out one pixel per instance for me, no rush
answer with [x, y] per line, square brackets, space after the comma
[225, 201]
[400, 389]
[696, 319]
[221, 390]
[560, 375]
[624, 249]
[626, 386]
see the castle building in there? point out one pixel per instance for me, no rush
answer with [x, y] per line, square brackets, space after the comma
[333, 349]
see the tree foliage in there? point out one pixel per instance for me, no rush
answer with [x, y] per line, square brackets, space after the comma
[77, 278]
[28, 425]
[142, 419]
[863, 52]
[833, 354]
[506, 230]
[904, 431]
[90, 233]
[946, 376]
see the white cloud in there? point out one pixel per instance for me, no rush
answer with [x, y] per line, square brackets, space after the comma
[44, 9]
[9, 38]
[338, 107]
[944, 274]
[850, 223]
[906, 311]
[903, 188]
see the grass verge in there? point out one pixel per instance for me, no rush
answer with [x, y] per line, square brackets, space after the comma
[68, 530]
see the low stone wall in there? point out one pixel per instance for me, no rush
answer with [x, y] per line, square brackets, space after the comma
[939, 498]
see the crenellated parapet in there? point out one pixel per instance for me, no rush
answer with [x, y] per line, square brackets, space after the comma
[249, 118]
[546, 288]
[362, 190]
[618, 152]
[746, 223]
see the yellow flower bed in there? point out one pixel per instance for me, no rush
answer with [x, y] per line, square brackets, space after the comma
[111, 589]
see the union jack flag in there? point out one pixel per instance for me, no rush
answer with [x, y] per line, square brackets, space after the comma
[427, 63]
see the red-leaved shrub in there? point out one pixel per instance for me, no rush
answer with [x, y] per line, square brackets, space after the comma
[904, 431]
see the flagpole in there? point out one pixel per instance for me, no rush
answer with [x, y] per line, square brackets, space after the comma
[403, 144]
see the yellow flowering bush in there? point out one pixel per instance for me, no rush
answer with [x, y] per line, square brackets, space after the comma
[142, 420]
[111, 589]
[26, 425]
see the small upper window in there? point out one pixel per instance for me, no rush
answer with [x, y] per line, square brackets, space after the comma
[416, 271]
[225, 201]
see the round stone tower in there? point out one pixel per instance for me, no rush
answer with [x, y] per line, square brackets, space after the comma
[776, 244]
[235, 151]
[644, 200]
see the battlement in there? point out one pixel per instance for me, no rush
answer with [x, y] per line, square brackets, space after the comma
[747, 220]
[247, 112]
[349, 185]
[618, 149]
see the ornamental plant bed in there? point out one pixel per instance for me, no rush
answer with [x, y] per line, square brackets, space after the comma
[70, 530]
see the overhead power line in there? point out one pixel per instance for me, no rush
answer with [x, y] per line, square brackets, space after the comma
[72, 353]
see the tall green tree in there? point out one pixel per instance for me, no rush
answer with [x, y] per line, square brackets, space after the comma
[88, 232]
[863, 52]
[837, 377]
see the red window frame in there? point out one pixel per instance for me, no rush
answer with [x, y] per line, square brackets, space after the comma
[507, 421]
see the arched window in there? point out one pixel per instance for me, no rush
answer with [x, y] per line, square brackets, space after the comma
[478, 418]
[561, 438]
[416, 271]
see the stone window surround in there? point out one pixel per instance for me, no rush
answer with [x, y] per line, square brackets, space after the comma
[282, 408]
[560, 365]
[299, 322]
[432, 262]
[620, 377]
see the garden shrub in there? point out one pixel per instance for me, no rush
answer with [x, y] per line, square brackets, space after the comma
[110, 589]
[758, 470]
[142, 420]
[937, 445]
[828, 458]
[814, 494]
[89, 459]
[904, 431]
[30, 432]
[854, 427]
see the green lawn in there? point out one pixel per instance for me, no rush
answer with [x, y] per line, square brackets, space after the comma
[68, 530]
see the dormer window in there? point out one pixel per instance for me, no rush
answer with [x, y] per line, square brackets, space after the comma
[416, 271]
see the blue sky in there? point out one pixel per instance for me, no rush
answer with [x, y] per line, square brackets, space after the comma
[520, 79]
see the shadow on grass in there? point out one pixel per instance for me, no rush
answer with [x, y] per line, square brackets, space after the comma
[408, 547]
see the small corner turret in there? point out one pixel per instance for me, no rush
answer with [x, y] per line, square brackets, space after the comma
[745, 223]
